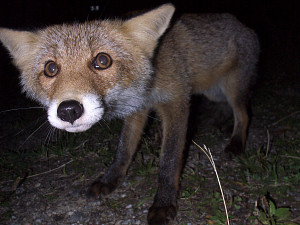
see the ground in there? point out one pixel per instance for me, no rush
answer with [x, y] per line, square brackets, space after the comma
[45, 173]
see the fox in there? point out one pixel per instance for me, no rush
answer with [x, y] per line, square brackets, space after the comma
[99, 70]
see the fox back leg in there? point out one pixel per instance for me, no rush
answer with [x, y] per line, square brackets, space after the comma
[237, 95]
[241, 122]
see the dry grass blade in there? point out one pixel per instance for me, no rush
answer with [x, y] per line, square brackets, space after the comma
[268, 145]
[17, 181]
[211, 160]
[282, 119]
[16, 184]
[49, 171]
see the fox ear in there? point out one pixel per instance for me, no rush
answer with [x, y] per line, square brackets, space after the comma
[20, 44]
[147, 28]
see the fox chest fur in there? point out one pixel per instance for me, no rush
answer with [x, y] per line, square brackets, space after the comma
[86, 72]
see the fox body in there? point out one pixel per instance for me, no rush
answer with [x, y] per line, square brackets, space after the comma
[86, 72]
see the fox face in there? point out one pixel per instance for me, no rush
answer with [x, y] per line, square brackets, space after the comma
[85, 72]
[87, 77]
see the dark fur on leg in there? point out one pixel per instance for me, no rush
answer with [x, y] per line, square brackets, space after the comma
[99, 189]
[161, 215]
[235, 147]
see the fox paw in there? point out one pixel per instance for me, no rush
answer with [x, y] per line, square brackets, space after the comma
[161, 215]
[100, 189]
[234, 148]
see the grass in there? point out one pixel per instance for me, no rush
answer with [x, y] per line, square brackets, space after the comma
[266, 212]
[26, 160]
[276, 170]
[207, 152]
[271, 169]
[212, 206]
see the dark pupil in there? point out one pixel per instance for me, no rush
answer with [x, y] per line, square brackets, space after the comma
[103, 60]
[52, 67]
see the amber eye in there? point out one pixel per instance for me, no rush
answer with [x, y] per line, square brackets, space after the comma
[51, 69]
[102, 61]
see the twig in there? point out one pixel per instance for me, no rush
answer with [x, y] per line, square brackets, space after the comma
[211, 160]
[290, 156]
[278, 121]
[38, 174]
[49, 171]
[16, 184]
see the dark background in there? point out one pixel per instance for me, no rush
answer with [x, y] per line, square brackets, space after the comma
[276, 23]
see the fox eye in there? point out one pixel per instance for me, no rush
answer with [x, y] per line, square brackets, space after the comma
[102, 61]
[51, 69]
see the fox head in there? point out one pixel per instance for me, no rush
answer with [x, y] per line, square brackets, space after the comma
[85, 72]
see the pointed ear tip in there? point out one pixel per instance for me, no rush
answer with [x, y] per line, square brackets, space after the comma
[3, 31]
[169, 6]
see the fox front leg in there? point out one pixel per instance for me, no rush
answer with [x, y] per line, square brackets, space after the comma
[130, 137]
[175, 119]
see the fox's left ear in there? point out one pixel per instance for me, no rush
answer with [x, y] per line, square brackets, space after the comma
[20, 44]
[147, 28]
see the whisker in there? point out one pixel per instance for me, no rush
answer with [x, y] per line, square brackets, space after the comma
[32, 124]
[22, 108]
[49, 135]
[54, 130]
[31, 135]
[106, 124]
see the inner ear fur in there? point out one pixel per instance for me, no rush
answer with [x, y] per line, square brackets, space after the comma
[20, 44]
[146, 29]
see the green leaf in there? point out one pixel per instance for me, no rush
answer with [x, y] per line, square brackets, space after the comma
[263, 218]
[238, 199]
[272, 221]
[237, 206]
[282, 214]
[272, 208]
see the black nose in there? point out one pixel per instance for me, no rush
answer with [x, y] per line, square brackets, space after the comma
[69, 111]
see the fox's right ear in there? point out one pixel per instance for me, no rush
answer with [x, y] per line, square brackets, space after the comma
[20, 44]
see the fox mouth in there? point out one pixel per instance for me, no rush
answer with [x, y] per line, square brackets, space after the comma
[74, 116]
[78, 128]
